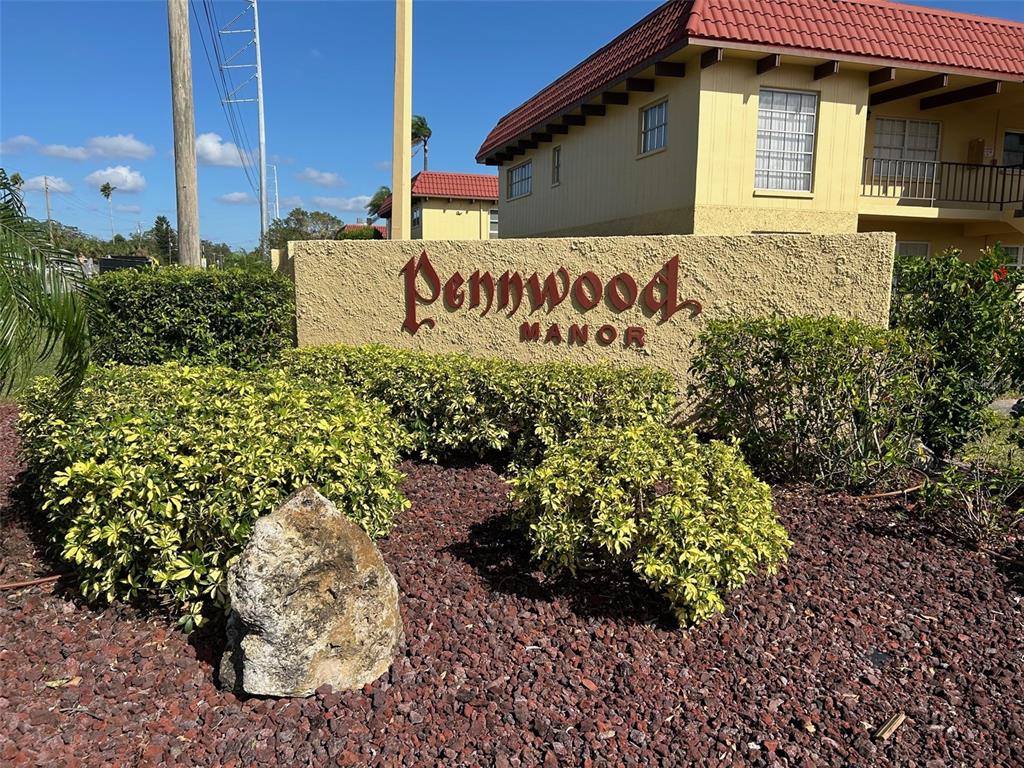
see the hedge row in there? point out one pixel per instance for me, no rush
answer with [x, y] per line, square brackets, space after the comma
[454, 405]
[227, 317]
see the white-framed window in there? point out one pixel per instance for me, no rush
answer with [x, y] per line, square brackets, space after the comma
[918, 248]
[1013, 148]
[786, 126]
[556, 166]
[1013, 256]
[520, 180]
[417, 216]
[494, 222]
[653, 127]
[899, 139]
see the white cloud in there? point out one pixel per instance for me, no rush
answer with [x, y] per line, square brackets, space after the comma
[357, 203]
[121, 145]
[120, 176]
[128, 208]
[16, 144]
[382, 165]
[39, 184]
[237, 198]
[65, 152]
[320, 178]
[212, 150]
[291, 201]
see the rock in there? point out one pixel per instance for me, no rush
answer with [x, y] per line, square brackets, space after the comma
[312, 603]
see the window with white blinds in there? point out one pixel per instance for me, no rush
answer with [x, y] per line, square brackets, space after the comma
[786, 125]
[897, 139]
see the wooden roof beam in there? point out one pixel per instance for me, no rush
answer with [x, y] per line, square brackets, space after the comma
[670, 69]
[642, 84]
[540, 137]
[881, 76]
[554, 128]
[527, 144]
[907, 90]
[827, 69]
[991, 88]
[615, 97]
[594, 110]
[768, 63]
[574, 119]
[710, 57]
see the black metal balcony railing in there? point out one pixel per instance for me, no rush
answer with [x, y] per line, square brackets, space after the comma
[932, 182]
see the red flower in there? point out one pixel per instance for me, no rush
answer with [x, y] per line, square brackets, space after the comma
[1000, 274]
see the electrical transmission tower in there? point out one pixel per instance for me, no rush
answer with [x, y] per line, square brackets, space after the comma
[239, 25]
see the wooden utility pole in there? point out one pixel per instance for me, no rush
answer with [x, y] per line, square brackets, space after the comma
[401, 157]
[184, 134]
[49, 215]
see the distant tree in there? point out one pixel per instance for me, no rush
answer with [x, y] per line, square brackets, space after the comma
[108, 192]
[421, 134]
[164, 239]
[373, 207]
[303, 225]
[16, 180]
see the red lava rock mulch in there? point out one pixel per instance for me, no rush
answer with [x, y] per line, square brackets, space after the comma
[504, 668]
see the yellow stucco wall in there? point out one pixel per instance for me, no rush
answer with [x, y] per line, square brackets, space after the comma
[445, 219]
[726, 201]
[605, 186]
[354, 292]
[941, 235]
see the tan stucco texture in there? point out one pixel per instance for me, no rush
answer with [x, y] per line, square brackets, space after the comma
[354, 292]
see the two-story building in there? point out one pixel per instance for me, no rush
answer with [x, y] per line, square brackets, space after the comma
[756, 116]
[451, 206]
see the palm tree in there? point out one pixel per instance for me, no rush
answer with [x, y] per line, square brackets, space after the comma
[421, 135]
[373, 207]
[42, 296]
[107, 191]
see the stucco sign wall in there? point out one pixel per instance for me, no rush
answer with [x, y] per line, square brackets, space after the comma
[624, 299]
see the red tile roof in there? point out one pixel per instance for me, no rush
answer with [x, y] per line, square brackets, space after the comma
[873, 29]
[379, 227]
[464, 186]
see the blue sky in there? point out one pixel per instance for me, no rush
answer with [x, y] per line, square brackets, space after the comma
[88, 84]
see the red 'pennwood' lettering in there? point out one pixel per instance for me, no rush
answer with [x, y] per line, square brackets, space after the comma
[660, 296]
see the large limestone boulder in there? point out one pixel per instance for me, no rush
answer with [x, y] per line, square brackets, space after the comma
[312, 602]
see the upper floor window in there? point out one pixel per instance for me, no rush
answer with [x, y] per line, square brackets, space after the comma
[1013, 148]
[653, 127]
[786, 124]
[556, 166]
[494, 222]
[897, 139]
[520, 180]
[417, 216]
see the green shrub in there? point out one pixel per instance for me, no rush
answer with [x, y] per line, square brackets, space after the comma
[690, 519]
[229, 317]
[975, 502]
[831, 401]
[455, 404]
[971, 321]
[152, 480]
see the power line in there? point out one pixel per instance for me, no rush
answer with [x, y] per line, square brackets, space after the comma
[217, 74]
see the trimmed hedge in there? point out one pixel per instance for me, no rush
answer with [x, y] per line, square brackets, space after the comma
[690, 519]
[228, 317]
[152, 479]
[454, 405]
[835, 402]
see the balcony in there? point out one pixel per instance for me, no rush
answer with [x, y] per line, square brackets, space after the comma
[935, 183]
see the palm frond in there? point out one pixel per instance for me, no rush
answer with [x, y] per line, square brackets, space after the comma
[42, 298]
